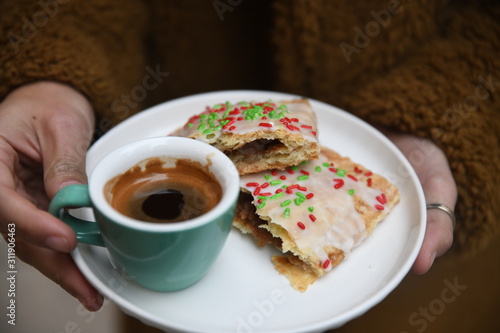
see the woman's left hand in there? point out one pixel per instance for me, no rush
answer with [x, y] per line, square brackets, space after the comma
[433, 171]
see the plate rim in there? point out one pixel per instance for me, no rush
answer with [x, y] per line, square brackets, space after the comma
[336, 321]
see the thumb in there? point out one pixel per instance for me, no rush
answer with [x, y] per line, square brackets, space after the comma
[64, 149]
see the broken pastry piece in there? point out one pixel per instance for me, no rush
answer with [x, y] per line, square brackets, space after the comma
[258, 136]
[315, 213]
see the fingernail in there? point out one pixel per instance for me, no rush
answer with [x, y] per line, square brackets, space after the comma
[432, 258]
[57, 243]
[94, 304]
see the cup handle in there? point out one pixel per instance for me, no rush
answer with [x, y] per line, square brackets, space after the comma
[76, 196]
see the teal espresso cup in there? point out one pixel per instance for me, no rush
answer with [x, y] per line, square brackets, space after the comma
[160, 256]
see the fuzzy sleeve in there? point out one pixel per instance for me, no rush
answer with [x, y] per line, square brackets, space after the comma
[95, 46]
[449, 92]
[427, 68]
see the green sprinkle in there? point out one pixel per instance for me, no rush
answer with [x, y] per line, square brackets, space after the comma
[287, 212]
[295, 168]
[277, 195]
[268, 177]
[217, 106]
[340, 172]
[301, 195]
[275, 182]
[214, 115]
[201, 127]
[326, 165]
[285, 203]
[303, 177]
[284, 187]
[351, 192]
[189, 125]
[304, 162]
[207, 131]
[318, 169]
[218, 128]
[283, 108]
[311, 209]
[297, 201]
[262, 205]
[263, 197]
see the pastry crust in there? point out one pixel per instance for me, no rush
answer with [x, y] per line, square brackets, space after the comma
[258, 136]
[315, 213]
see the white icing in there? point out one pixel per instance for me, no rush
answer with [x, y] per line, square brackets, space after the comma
[337, 223]
[296, 117]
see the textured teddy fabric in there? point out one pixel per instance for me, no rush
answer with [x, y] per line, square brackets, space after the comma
[428, 67]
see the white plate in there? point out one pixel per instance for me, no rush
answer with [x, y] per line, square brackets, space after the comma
[243, 292]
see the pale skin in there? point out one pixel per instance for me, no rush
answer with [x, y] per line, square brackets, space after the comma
[45, 130]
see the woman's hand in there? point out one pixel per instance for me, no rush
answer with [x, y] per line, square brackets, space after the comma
[438, 184]
[45, 130]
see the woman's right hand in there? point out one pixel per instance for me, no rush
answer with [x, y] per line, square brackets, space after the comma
[45, 130]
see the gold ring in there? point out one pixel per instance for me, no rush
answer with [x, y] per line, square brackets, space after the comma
[445, 209]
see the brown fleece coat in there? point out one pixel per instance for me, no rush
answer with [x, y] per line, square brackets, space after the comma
[428, 67]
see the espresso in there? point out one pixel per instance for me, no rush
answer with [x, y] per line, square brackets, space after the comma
[164, 190]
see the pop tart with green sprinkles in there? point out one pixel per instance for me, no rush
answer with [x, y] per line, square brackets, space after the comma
[315, 213]
[258, 136]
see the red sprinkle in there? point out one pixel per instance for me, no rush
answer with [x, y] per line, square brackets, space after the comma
[264, 185]
[379, 207]
[310, 195]
[332, 169]
[235, 111]
[252, 184]
[382, 199]
[304, 172]
[353, 178]
[295, 120]
[313, 133]
[240, 118]
[278, 191]
[274, 172]
[232, 128]
[306, 126]
[358, 170]
[267, 194]
[368, 174]
[369, 182]
[301, 225]
[282, 177]
[290, 171]
[312, 217]
[326, 264]
[339, 183]
[265, 124]
[257, 191]
[291, 187]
